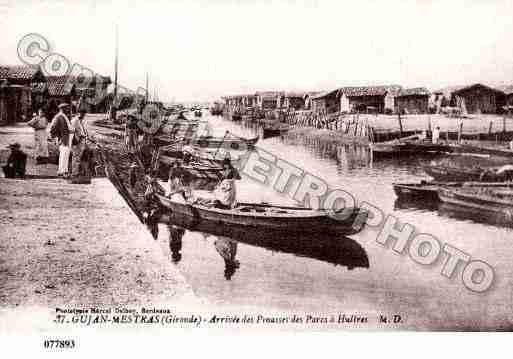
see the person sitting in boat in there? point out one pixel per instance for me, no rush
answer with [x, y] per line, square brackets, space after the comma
[179, 190]
[225, 193]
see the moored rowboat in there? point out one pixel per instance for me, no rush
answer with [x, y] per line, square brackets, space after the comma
[427, 191]
[494, 200]
[270, 218]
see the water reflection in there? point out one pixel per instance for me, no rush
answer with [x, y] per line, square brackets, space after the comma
[453, 211]
[227, 249]
[339, 250]
[175, 242]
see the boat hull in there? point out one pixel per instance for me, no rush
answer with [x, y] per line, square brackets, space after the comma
[408, 149]
[448, 174]
[422, 191]
[289, 222]
[480, 202]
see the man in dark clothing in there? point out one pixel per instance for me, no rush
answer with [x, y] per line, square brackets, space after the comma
[16, 162]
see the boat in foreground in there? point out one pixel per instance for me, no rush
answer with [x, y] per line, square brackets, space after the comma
[270, 218]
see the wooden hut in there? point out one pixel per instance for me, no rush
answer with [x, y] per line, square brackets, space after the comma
[413, 101]
[477, 99]
[508, 95]
[293, 100]
[307, 98]
[268, 100]
[357, 99]
[16, 92]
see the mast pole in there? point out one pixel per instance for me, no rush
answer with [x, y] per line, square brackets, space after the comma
[113, 108]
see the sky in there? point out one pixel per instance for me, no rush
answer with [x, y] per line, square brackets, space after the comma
[201, 50]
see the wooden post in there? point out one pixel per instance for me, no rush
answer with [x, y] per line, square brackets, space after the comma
[460, 131]
[490, 128]
[400, 123]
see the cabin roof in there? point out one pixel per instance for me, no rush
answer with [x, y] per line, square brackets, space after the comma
[357, 91]
[21, 73]
[292, 94]
[507, 89]
[475, 86]
[416, 91]
[55, 86]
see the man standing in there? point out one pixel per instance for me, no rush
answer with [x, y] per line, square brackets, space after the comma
[436, 135]
[78, 144]
[60, 128]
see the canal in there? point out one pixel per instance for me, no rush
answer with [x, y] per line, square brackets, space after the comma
[355, 275]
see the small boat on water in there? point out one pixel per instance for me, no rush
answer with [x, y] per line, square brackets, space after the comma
[494, 200]
[209, 141]
[236, 117]
[444, 173]
[477, 150]
[453, 174]
[408, 146]
[269, 218]
[274, 131]
[427, 191]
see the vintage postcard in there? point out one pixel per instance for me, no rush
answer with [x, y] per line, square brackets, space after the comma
[259, 167]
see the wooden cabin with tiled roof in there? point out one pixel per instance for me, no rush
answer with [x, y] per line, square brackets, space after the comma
[16, 92]
[268, 100]
[293, 100]
[379, 99]
[478, 99]
[412, 101]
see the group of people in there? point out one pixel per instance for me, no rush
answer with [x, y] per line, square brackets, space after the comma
[71, 135]
[224, 195]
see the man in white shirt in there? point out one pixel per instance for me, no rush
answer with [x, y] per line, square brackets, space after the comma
[436, 135]
[60, 128]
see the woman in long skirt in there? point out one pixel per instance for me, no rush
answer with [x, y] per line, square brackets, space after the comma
[39, 124]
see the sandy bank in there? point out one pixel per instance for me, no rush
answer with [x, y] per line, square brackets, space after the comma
[64, 244]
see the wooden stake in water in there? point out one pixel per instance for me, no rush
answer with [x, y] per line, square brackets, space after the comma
[400, 123]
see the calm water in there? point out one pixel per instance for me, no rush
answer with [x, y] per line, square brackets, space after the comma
[352, 275]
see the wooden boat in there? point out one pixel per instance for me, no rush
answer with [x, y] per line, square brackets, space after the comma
[461, 174]
[408, 146]
[236, 117]
[427, 191]
[491, 199]
[389, 149]
[453, 174]
[209, 141]
[270, 218]
[476, 150]
[274, 131]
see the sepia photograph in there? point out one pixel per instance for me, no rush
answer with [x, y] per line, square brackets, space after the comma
[256, 167]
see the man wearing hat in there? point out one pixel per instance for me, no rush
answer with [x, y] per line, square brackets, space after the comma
[78, 144]
[16, 162]
[60, 128]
